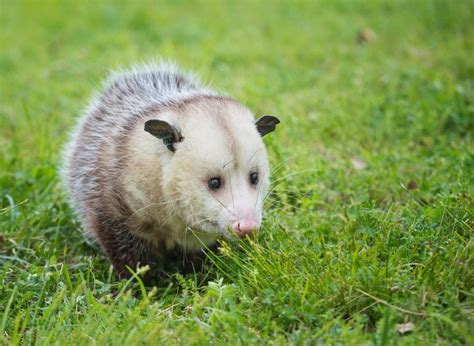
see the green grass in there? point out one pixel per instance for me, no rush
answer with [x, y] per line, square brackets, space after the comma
[345, 254]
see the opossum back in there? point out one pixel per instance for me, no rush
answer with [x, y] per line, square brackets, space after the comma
[91, 157]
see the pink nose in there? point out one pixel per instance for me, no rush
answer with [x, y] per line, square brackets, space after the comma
[245, 227]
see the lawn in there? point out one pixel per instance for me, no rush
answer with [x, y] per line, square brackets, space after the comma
[368, 236]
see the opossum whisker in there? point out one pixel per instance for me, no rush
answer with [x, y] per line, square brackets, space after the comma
[194, 216]
[261, 165]
[258, 194]
[255, 152]
[231, 191]
[152, 205]
[228, 163]
[286, 176]
[296, 173]
[195, 231]
[283, 162]
[200, 221]
[279, 211]
[186, 229]
[278, 166]
[222, 204]
[287, 204]
[212, 214]
[298, 193]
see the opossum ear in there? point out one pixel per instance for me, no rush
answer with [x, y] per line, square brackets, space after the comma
[266, 124]
[164, 131]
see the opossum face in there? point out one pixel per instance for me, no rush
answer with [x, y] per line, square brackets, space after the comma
[219, 172]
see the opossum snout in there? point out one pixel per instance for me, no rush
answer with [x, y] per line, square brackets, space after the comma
[245, 227]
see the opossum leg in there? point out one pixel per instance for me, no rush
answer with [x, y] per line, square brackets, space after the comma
[187, 262]
[123, 248]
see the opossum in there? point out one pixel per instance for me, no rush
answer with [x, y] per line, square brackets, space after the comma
[161, 164]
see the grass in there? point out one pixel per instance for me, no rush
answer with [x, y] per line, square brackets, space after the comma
[370, 224]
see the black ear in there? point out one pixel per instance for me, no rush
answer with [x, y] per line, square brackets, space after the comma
[164, 131]
[266, 124]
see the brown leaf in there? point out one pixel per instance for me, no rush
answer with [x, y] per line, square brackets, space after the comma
[412, 185]
[365, 36]
[358, 163]
[404, 328]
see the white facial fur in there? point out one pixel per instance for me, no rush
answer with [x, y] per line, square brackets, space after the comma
[220, 140]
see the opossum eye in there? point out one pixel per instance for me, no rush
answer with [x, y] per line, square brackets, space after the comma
[214, 183]
[254, 178]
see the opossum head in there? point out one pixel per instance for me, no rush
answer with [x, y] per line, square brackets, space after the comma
[217, 168]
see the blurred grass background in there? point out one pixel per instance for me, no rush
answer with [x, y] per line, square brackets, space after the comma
[372, 211]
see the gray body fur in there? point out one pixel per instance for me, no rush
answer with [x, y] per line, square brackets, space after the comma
[95, 155]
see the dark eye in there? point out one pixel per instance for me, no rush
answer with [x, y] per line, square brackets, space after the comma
[214, 183]
[254, 178]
